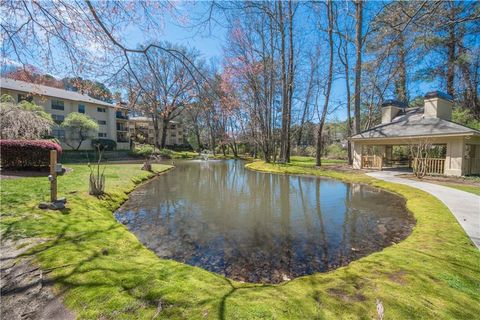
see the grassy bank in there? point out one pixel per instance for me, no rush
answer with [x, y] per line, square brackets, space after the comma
[466, 188]
[106, 273]
[85, 156]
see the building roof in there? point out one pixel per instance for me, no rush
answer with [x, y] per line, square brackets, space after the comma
[413, 123]
[49, 91]
[146, 119]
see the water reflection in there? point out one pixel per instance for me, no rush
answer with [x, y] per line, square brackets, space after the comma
[260, 227]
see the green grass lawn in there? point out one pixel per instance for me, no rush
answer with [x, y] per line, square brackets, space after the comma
[106, 273]
[463, 187]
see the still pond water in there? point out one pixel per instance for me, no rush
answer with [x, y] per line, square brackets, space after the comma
[261, 227]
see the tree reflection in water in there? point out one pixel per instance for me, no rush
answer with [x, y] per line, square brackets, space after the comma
[261, 227]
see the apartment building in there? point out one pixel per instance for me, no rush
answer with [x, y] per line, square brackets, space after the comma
[141, 130]
[112, 119]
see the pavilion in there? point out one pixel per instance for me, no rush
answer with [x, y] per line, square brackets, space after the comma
[457, 147]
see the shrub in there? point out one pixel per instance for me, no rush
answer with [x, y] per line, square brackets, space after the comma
[143, 151]
[166, 153]
[22, 154]
[336, 151]
[104, 144]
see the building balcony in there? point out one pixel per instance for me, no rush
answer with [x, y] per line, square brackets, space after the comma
[121, 127]
[122, 140]
[121, 116]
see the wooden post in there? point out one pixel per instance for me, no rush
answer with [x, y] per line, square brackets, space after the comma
[53, 173]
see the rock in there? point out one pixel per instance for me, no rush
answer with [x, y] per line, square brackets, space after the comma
[63, 200]
[44, 205]
[57, 205]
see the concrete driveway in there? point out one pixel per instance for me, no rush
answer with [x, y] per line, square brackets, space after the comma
[465, 206]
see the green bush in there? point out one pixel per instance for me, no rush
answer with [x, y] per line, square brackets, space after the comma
[143, 151]
[104, 144]
[336, 151]
[21, 154]
[165, 153]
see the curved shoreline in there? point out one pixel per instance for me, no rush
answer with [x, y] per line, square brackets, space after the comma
[355, 244]
[103, 269]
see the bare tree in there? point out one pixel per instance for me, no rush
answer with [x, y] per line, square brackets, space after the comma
[322, 117]
[167, 88]
[358, 62]
[420, 151]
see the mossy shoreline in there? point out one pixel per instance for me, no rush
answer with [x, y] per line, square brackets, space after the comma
[105, 272]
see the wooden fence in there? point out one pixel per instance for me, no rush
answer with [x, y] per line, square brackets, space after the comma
[472, 166]
[433, 165]
[372, 162]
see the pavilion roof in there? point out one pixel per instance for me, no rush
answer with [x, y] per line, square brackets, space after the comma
[413, 123]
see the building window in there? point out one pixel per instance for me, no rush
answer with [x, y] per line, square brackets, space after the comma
[81, 108]
[58, 119]
[101, 109]
[24, 97]
[58, 133]
[121, 127]
[102, 135]
[58, 105]
[102, 122]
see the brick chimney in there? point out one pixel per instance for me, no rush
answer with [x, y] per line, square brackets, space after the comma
[391, 109]
[438, 105]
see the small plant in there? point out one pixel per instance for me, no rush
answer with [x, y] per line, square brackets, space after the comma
[97, 176]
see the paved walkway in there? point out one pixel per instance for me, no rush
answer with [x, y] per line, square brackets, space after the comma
[465, 206]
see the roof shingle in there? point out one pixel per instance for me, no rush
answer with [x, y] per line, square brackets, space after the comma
[414, 123]
[49, 91]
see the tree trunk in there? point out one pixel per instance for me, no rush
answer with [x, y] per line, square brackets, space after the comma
[343, 57]
[358, 63]
[284, 129]
[318, 158]
[290, 82]
[451, 46]
[401, 82]
[212, 137]
[164, 132]
[156, 131]
[81, 137]
[197, 135]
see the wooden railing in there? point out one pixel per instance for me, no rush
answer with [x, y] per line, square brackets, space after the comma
[372, 162]
[433, 165]
[472, 165]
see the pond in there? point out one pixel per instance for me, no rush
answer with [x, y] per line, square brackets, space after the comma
[261, 227]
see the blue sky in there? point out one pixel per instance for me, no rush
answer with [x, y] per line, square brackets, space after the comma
[209, 44]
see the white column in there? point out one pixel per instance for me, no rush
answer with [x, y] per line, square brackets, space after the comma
[455, 156]
[357, 148]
